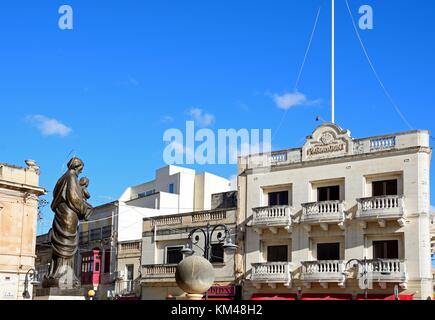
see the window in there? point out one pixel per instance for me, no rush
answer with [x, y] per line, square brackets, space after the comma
[278, 198]
[107, 232]
[171, 188]
[174, 255]
[328, 251]
[277, 254]
[385, 188]
[217, 253]
[386, 249]
[130, 272]
[107, 261]
[96, 234]
[331, 193]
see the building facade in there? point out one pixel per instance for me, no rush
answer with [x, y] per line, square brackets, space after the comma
[115, 229]
[19, 200]
[336, 218]
[163, 239]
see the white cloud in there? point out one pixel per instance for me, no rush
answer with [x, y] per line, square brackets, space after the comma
[292, 99]
[48, 126]
[201, 118]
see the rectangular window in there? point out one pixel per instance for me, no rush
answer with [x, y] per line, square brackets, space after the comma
[277, 254]
[95, 234]
[130, 272]
[386, 249]
[278, 198]
[174, 255]
[331, 193]
[171, 188]
[217, 253]
[107, 232]
[328, 251]
[107, 261]
[385, 188]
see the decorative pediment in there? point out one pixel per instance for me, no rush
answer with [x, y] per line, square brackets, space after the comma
[327, 141]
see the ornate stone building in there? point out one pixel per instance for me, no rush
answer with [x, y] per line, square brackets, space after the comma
[338, 217]
[19, 192]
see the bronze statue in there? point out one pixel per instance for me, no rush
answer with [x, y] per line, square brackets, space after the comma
[69, 206]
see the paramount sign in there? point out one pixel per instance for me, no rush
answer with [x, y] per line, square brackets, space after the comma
[322, 149]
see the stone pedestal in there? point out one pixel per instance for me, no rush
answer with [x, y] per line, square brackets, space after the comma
[60, 294]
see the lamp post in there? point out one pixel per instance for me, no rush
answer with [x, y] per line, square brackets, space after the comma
[364, 262]
[208, 233]
[31, 276]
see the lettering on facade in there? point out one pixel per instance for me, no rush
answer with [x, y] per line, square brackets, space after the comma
[327, 144]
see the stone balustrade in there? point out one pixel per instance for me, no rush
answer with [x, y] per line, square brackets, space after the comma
[271, 273]
[165, 221]
[209, 216]
[381, 209]
[383, 271]
[382, 143]
[272, 217]
[323, 272]
[159, 271]
[322, 213]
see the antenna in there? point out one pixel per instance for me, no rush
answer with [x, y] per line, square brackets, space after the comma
[333, 64]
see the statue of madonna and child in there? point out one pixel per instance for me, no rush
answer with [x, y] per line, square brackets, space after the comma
[70, 206]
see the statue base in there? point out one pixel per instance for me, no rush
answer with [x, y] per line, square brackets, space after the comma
[64, 279]
[60, 294]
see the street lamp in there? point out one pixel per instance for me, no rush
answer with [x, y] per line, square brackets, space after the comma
[365, 272]
[208, 234]
[31, 276]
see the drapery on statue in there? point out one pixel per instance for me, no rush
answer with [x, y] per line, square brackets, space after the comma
[69, 206]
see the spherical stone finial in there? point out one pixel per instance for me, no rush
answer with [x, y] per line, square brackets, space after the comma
[195, 275]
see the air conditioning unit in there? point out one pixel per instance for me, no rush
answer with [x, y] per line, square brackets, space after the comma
[119, 275]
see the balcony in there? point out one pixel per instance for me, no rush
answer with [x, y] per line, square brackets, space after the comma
[272, 218]
[324, 273]
[323, 213]
[272, 274]
[158, 273]
[381, 209]
[383, 271]
[127, 288]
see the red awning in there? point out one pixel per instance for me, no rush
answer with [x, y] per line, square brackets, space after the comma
[402, 297]
[273, 297]
[327, 297]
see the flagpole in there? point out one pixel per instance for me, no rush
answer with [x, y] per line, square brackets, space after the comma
[333, 64]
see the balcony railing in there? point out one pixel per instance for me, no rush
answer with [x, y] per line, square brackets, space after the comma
[380, 208]
[324, 272]
[271, 273]
[382, 143]
[209, 216]
[165, 221]
[158, 271]
[126, 288]
[272, 217]
[384, 271]
[323, 212]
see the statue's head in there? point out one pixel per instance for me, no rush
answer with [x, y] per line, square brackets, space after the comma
[76, 164]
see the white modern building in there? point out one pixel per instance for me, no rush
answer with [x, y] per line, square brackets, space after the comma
[337, 217]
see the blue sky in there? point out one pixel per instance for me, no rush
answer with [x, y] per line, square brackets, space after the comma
[129, 70]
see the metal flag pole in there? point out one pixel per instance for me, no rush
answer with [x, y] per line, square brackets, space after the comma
[333, 63]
